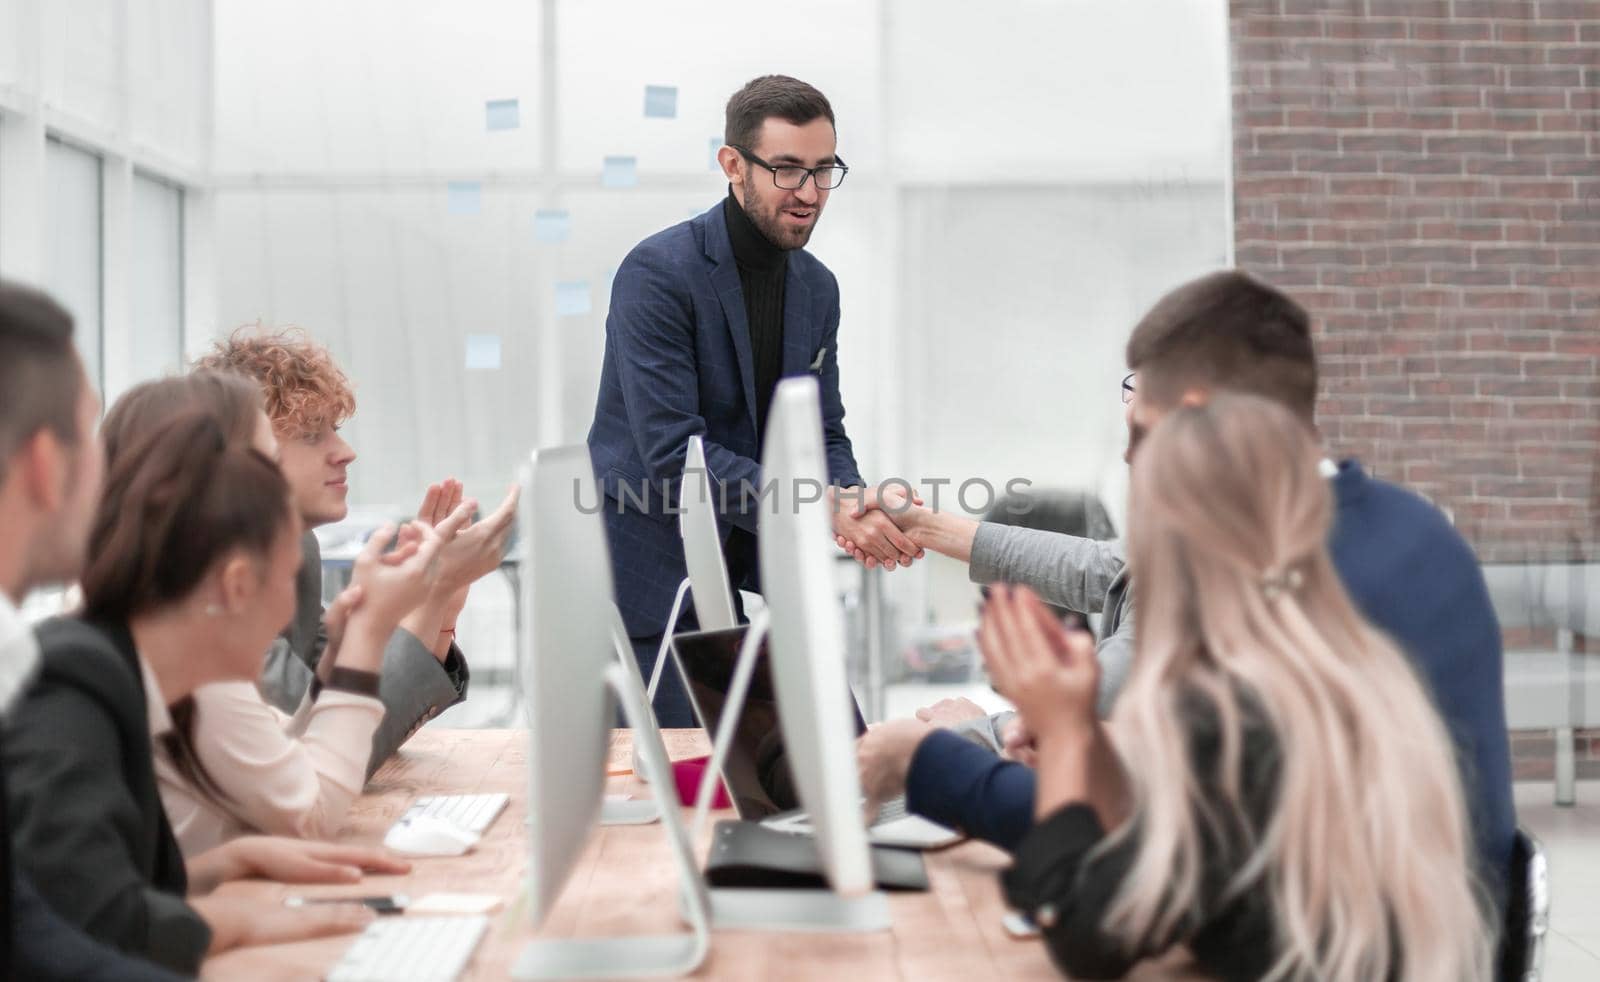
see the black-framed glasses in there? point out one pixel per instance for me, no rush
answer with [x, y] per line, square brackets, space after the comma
[792, 177]
[1127, 387]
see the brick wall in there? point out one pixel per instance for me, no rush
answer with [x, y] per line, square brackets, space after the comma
[1425, 176]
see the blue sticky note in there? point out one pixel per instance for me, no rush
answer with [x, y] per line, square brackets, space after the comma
[572, 299]
[620, 172]
[552, 225]
[483, 352]
[503, 114]
[660, 101]
[466, 197]
[716, 144]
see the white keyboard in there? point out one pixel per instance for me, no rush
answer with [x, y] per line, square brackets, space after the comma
[471, 812]
[411, 949]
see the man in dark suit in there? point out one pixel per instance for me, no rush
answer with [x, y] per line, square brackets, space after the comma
[50, 471]
[705, 318]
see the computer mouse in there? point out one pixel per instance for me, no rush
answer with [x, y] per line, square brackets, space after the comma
[424, 835]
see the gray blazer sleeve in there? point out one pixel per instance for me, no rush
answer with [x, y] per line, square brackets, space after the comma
[1062, 569]
[414, 688]
[1074, 572]
[412, 684]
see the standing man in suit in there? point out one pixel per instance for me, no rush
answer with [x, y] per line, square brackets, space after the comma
[705, 318]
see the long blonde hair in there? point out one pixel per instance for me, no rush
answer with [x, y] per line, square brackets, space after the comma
[1365, 851]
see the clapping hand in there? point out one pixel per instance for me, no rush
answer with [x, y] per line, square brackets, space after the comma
[1049, 672]
[477, 549]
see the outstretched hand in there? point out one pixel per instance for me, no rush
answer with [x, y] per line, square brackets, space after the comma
[867, 524]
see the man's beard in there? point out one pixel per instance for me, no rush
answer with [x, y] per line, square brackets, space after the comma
[769, 222]
[1136, 435]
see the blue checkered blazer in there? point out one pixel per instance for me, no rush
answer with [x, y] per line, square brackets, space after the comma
[678, 363]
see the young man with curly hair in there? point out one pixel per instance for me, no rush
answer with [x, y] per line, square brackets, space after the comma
[308, 398]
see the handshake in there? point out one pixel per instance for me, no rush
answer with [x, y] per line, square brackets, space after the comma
[885, 526]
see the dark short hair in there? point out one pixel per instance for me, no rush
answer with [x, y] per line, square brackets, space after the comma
[1227, 330]
[772, 96]
[40, 377]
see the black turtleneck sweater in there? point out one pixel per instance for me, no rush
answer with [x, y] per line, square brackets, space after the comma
[762, 269]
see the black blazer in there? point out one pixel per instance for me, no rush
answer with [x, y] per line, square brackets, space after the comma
[86, 818]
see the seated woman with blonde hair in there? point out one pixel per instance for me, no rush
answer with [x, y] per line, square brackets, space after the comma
[1274, 789]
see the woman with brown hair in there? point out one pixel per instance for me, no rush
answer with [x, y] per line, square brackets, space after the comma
[193, 553]
[1274, 789]
[244, 766]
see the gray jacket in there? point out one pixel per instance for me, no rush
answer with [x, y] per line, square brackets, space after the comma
[1085, 575]
[413, 686]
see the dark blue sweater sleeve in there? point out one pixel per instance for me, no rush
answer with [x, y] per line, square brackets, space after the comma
[955, 782]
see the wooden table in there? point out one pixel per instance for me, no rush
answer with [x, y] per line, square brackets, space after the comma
[625, 884]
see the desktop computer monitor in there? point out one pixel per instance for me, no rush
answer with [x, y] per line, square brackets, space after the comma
[570, 671]
[565, 693]
[702, 544]
[816, 711]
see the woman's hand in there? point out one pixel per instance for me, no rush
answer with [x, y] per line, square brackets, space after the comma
[1048, 672]
[396, 582]
[286, 860]
[239, 923]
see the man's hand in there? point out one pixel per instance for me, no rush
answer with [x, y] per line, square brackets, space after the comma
[478, 548]
[883, 757]
[867, 520]
[951, 712]
[1017, 743]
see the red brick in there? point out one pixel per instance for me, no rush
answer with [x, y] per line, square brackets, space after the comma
[1364, 27]
[1365, 186]
[1527, 99]
[1423, 165]
[1550, 145]
[1298, 140]
[1587, 10]
[1583, 55]
[1552, 78]
[1391, 119]
[1466, 144]
[1509, 166]
[1327, 118]
[1392, 142]
[1550, 190]
[1447, 75]
[1484, 119]
[1450, 30]
[1455, 98]
[1519, 32]
[1519, 256]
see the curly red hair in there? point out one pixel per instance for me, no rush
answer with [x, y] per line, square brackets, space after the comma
[305, 392]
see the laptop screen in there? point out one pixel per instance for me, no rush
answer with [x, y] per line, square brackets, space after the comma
[755, 769]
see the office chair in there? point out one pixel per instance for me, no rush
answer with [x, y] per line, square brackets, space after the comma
[1527, 912]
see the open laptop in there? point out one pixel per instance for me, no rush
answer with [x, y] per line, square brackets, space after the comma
[755, 770]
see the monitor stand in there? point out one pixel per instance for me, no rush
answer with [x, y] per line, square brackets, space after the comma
[637, 811]
[643, 955]
[762, 909]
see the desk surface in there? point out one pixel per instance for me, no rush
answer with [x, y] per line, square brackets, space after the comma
[625, 884]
